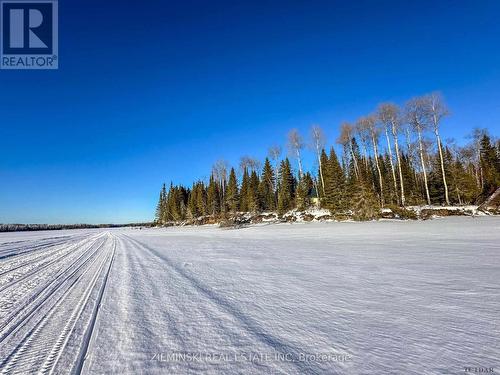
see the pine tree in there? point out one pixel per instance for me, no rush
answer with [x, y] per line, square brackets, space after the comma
[245, 185]
[490, 164]
[253, 192]
[266, 188]
[412, 189]
[192, 212]
[213, 197]
[304, 192]
[232, 192]
[323, 181]
[390, 192]
[334, 183]
[161, 206]
[286, 193]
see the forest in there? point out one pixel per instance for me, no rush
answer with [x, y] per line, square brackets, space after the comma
[393, 158]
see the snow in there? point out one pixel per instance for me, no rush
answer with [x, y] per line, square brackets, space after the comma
[412, 297]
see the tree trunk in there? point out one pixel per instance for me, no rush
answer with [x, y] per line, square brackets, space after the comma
[395, 136]
[356, 168]
[441, 159]
[421, 149]
[320, 171]
[389, 149]
[299, 160]
[487, 202]
[380, 181]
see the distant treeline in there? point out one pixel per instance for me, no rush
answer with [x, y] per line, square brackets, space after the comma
[393, 157]
[33, 227]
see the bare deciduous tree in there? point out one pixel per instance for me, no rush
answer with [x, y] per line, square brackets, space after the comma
[318, 142]
[295, 145]
[475, 136]
[274, 154]
[415, 115]
[389, 115]
[247, 162]
[362, 128]
[219, 171]
[436, 110]
[345, 139]
[374, 131]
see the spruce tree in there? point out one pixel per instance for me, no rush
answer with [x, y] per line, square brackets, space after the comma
[326, 178]
[334, 184]
[490, 164]
[253, 192]
[286, 193]
[304, 191]
[161, 206]
[213, 197]
[232, 192]
[245, 185]
[266, 188]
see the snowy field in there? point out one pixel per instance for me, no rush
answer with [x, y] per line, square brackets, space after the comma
[382, 297]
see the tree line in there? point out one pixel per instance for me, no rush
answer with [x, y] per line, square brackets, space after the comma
[39, 227]
[392, 157]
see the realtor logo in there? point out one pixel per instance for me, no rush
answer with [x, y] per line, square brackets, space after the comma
[29, 34]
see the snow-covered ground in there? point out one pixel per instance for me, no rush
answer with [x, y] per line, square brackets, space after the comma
[388, 297]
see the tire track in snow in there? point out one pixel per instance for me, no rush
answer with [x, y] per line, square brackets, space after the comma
[10, 268]
[44, 265]
[89, 337]
[249, 325]
[42, 346]
[7, 252]
[134, 322]
[41, 296]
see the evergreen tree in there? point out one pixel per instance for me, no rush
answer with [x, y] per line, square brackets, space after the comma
[304, 191]
[323, 181]
[245, 185]
[213, 197]
[232, 192]
[286, 187]
[253, 192]
[413, 192]
[192, 212]
[161, 206]
[266, 188]
[334, 183]
[390, 194]
[490, 165]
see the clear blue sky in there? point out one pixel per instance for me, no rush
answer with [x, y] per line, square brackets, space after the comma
[157, 91]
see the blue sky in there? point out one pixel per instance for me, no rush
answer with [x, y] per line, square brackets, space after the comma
[153, 92]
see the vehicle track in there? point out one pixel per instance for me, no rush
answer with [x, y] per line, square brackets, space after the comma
[68, 321]
[7, 252]
[46, 260]
[24, 292]
[21, 260]
[46, 294]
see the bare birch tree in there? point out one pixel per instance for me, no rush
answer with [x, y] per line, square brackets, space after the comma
[345, 139]
[362, 128]
[295, 145]
[476, 136]
[219, 171]
[274, 154]
[415, 115]
[389, 115]
[374, 130]
[318, 143]
[436, 110]
[249, 163]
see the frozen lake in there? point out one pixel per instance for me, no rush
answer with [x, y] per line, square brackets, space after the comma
[382, 297]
